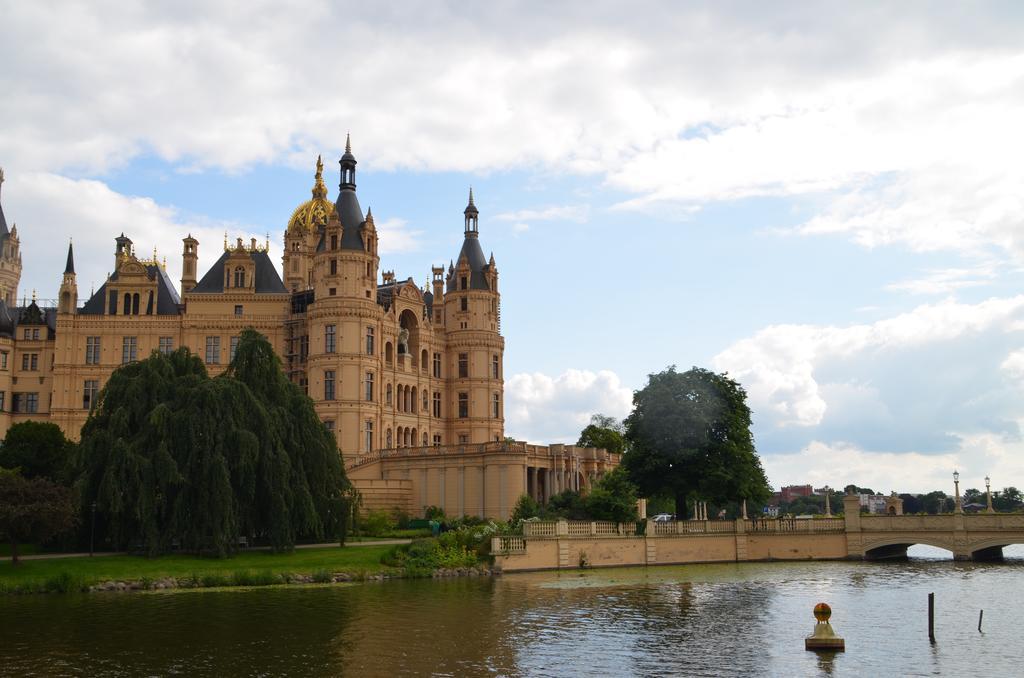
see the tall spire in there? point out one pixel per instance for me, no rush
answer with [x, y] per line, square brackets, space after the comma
[348, 142]
[348, 166]
[319, 188]
[70, 266]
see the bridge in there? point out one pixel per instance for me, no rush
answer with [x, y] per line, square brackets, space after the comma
[568, 544]
[970, 536]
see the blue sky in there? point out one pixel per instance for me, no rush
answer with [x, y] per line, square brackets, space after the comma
[825, 202]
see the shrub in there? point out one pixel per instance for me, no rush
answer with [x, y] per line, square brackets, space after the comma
[423, 556]
[212, 580]
[526, 507]
[433, 513]
[64, 582]
[377, 523]
[322, 576]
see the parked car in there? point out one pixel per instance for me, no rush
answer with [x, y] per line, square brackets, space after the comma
[664, 518]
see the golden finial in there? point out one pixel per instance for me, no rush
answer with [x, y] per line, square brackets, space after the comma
[165, 262]
[319, 188]
[33, 295]
[154, 254]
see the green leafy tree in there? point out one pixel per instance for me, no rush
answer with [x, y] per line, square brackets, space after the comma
[853, 489]
[39, 449]
[936, 502]
[613, 497]
[912, 503]
[689, 436]
[33, 510]
[526, 507]
[172, 455]
[603, 432]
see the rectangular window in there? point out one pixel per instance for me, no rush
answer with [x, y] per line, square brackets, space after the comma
[369, 387]
[496, 405]
[437, 365]
[238, 309]
[166, 345]
[329, 339]
[26, 402]
[28, 333]
[463, 365]
[463, 304]
[495, 367]
[331, 291]
[334, 267]
[2, 394]
[334, 242]
[463, 439]
[437, 404]
[129, 350]
[303, 347]
[233, 349]
[213, 350]
[92, 350]
[369, 341]
[89, 390]
[3, 360]
[35, 334]
[112, 307]
[369, 435]
[463, 405]
[463, 282]
[437, 439]
[329, 425]
[329, 385]
[24, 362]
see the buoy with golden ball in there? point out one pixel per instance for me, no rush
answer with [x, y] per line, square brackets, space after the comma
[824, 638]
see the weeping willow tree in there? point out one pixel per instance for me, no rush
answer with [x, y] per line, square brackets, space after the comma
[171, 456]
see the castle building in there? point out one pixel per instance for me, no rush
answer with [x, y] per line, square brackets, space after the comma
[410, 380]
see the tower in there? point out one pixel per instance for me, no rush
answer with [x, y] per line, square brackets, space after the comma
[68, 296]
[471, 312]
[189, 262]
[10, 257]
[305, 230]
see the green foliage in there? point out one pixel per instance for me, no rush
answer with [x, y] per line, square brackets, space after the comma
[322, 576]
[689, 436]
[567, 504]
[526, 507]
[613, 498]
[33, 510]
[39, 449]
[423, 556]
[377, 523]
[433, 513]
[853, 489]
[604, 432]
[170, 454]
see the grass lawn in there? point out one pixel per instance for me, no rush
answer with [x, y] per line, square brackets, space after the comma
[87, 571]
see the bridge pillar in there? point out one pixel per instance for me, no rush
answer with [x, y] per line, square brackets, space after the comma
[851, 514]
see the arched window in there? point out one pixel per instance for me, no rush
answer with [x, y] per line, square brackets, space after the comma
[387, 394]
[389, 353]
[127, 303]
[135, 304]
[412, 400]
[387, 435]
[423, 360]
[239, 277]
[425, 439]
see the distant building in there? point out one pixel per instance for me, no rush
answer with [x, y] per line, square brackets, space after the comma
[874, 503]
[791, 492]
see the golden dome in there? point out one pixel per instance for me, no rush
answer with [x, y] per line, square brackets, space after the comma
[314, 213]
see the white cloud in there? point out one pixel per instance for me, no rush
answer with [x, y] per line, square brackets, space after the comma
[944, 281]
[577, 213]
[778, 365]
[520, 228]
[840, 463]
[396, 237]
[546, 409]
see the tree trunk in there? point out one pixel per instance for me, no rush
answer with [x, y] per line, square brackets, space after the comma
[14, 552]
[681, 507]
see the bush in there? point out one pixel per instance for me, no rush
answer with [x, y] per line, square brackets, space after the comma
[423, 556]
[377, 523]
[433, 513]
[65, 582]
[526, 507]
[213, 580]
[322, 576]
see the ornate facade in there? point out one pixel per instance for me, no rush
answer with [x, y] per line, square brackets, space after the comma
[389, 365]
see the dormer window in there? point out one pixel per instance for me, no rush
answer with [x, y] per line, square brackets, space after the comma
[463, 282]
[239, 277]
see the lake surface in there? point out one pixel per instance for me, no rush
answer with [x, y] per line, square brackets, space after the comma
[698, 620]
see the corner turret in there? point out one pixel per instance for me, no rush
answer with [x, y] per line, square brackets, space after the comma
[68, 296]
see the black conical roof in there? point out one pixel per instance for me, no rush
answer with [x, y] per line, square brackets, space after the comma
[4, 232]
[69, 267]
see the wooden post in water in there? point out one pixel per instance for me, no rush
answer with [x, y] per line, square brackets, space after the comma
[981, 613]
[931, 617]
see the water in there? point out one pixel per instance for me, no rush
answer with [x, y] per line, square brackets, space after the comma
[702, 620]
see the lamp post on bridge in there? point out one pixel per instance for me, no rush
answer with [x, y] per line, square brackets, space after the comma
[959, 508]
[988, 495]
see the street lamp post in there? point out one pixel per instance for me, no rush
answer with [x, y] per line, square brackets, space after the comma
[988, 495]
[956, 484]
[92, 529]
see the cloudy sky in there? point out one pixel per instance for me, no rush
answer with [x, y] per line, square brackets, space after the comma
[824, 200]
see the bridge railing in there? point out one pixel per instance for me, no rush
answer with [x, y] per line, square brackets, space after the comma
[796, 526]
[902, 523]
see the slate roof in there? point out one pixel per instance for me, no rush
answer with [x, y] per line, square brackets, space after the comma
[267, 279]
[167, 300]
[477, 263]
[352, 219]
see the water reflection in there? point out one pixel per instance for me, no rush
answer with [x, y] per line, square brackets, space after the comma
[736, 619]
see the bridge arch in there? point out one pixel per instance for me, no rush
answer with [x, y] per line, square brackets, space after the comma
[896, 548]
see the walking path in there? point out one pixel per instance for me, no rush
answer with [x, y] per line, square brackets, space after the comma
[378, 542]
